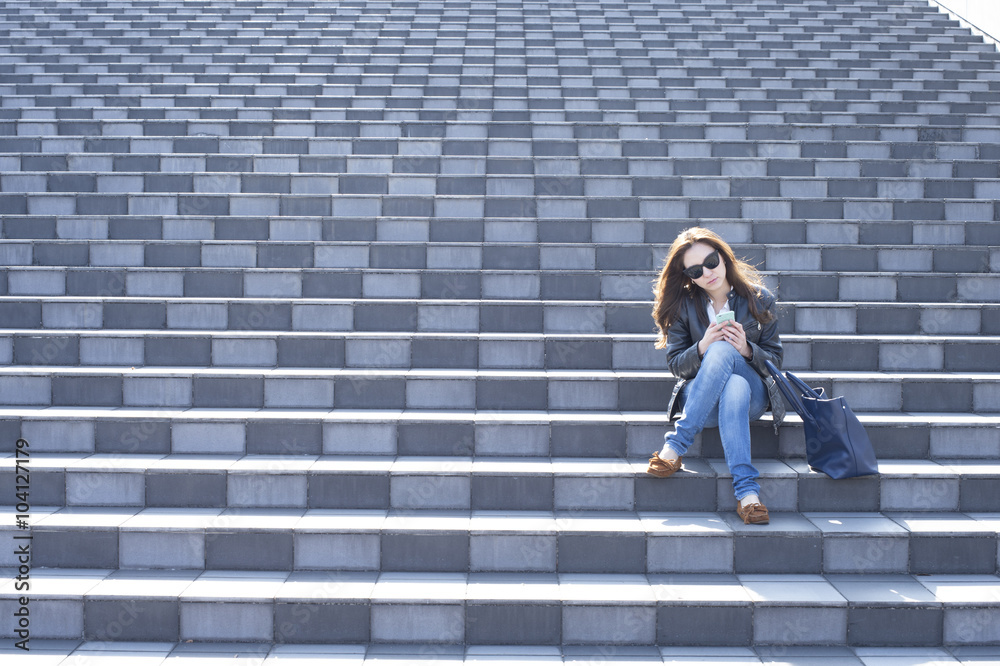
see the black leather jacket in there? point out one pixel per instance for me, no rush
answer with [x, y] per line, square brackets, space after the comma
[684, 335]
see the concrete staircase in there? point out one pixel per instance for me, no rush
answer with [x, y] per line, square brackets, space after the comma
[329, 327]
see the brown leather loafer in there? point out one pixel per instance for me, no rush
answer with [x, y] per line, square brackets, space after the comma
[662, 468]
[753, 514]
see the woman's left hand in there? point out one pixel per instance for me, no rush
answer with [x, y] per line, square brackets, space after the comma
[737, 337]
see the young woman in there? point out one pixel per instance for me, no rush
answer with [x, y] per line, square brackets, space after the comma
[722, 379]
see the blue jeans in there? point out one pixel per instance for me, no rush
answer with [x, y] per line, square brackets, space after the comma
[727, 393]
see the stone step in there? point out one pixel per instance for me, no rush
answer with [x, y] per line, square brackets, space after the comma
[538, 542]
[476, 138]
[449, 389]
[332, 316]
[464, 284]
[412, 72]
[162, 430]
[774, 16]
[925, 155]
[770, 146]
[879, 82]
[619, 91]
[666, 54]
[750, 170]
[421, 482]
[868, 103]
[102, 653]
[940, 85]
[299, 29]
[799, 63]
[594, 231]
[40, 96]
[686, 189]
[849, 119]
[273, 51]
[492, 609]
[795, 65]
[669, 25]
[482, 351]
[821, 51]
[674, 32]
[526, 207]
[659, 65]
[881, 104]
[332, 61]
[828, 257]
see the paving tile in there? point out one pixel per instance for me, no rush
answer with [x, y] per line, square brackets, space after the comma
[817, 492]
[973, 624]
[197, 437]
[525, 624]
[594, 553]
[796, 610]
[509, 492]
[225, 622]
[161, 550]
[582, 493]
[782, 654]
[112, 613]
[689, 625]
[627, 617]
[75, 548]
[975, 487]
[400, 612]
[238, 550]
[866, 542]
[889, 611]
[935, 548]
[512, 552]
[423, 623]
[75, 436]
[796, 542]
[687, 543]
[105, 489]
[266, 490]
[919, 485]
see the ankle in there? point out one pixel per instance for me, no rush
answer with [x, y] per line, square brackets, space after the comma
[749, 499]
[669, 454]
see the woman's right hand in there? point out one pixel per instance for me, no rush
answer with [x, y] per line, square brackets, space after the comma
[712, 334]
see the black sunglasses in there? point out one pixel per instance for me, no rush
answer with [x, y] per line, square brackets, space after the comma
[695, 272]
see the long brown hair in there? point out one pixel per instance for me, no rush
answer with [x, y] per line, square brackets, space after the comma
[673, 288]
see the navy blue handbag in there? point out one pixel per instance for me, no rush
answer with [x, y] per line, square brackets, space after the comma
[836, 442]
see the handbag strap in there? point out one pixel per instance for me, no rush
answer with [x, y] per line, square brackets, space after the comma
[791, 395]
[804, 388]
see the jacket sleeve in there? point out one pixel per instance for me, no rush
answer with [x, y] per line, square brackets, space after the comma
[768, 347]
[682, 352]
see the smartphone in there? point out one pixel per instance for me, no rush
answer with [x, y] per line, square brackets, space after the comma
[724, 317]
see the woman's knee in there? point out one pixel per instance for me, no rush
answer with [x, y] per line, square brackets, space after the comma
[721, 352]
[736, 393]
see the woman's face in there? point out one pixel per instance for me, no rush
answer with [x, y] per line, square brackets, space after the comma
[711, 279]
